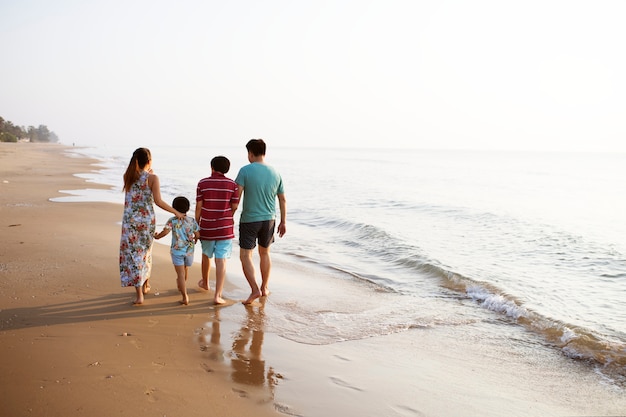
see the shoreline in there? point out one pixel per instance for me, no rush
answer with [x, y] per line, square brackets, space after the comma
[64, 313]
[64, 316]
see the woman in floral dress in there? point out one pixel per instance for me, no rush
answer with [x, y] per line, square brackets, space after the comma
[139, 223]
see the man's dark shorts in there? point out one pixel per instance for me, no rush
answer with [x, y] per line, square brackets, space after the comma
[250, 232]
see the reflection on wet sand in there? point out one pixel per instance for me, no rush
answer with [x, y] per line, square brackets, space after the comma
[246, 360]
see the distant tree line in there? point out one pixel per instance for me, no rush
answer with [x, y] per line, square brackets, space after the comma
[12, 133]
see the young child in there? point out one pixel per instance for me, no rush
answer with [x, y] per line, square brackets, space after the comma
[185, 232]
[217, 199]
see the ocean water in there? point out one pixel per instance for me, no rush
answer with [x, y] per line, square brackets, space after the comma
[535, 242]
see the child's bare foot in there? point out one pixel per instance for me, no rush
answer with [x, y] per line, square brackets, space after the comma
[185, 300]
[253, 296]
[202, 285]
[218, 300]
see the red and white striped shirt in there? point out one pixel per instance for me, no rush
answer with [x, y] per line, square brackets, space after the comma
[217, 193]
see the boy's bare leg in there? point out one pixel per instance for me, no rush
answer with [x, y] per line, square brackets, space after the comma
[206, 267]
[220, 276]
[182, 285]
[245, 255]
[266, 266]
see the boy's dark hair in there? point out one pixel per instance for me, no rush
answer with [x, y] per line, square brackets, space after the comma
[256, 146]
[220, 164]
[181, 204]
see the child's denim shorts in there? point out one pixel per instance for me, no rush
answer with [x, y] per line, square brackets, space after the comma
[182, 258]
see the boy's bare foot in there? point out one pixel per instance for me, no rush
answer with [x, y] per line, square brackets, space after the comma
[252, 297]
[219, 301]
[202, 285]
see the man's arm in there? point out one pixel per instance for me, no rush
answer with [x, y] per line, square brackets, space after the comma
[282, 203]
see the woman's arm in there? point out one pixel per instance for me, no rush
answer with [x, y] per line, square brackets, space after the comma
[155, 186]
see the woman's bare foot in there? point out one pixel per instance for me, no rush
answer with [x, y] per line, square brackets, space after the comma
[202, 285]
[138, 296]
[252, 297]
[146, 287]
[218, 300]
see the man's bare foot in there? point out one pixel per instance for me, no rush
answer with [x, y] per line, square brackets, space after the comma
[252, 297]
[202, 285]
[265, 292]
[218, 300]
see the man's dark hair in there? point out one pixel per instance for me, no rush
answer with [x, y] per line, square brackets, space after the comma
[256, 146]
[220, 164]
[181, 204]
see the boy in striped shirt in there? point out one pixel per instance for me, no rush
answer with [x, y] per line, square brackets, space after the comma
[217, 199]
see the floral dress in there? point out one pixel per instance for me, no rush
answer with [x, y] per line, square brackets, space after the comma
[138, 227]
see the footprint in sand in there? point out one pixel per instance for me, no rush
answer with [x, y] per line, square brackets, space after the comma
[153, 322]
[344, 384]
[408, 411]
[241, 393]
[150, 394]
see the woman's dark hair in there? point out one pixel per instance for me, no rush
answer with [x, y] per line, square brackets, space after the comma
[141, 158]
[220, 164]
[256, 146]
[181, 204]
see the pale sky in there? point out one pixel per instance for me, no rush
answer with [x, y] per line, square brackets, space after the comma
[527, 75]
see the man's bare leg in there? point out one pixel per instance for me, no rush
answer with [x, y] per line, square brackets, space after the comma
[245, 255]
[266, 266]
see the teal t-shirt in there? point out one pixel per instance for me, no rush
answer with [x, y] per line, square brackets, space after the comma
[261, 184]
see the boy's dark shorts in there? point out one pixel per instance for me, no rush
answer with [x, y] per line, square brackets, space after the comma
[250, 232]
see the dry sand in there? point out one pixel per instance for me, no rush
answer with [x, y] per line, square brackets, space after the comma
[70, 341]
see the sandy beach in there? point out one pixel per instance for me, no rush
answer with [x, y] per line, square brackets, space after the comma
[71, 343]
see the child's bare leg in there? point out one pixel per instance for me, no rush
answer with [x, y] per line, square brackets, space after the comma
[182, 285]
[206, 267]
[220, 276]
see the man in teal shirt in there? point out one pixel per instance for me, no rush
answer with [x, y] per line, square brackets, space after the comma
[260, 185]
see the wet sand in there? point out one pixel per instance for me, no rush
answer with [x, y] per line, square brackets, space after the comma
[71, 343]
